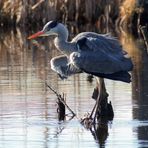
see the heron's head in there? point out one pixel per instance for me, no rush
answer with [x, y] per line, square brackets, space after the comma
[51, 28]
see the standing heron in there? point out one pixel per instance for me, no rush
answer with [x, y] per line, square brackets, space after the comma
[89, 52]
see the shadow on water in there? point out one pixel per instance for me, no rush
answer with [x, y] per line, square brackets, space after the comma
[28, 114]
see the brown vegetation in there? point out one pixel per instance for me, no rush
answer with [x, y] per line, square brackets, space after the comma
[106, 12]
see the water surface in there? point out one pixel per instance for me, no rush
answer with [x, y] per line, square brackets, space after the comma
[28, 110]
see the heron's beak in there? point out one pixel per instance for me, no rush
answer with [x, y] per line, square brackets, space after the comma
[40, 33]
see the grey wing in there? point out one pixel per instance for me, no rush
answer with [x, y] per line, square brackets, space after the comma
[102, 41]
[97, 56]
[60, 64]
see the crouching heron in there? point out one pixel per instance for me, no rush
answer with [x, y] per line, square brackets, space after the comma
[89, 52]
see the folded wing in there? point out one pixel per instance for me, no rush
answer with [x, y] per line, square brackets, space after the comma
[101, 58]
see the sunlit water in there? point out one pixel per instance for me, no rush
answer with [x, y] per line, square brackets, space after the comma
[28, 110]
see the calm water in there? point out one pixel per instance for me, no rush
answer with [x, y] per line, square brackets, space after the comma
[28, 110]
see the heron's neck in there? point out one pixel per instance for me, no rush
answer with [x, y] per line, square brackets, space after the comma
[63, 45]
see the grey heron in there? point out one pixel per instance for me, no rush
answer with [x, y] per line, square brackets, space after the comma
[89, 52]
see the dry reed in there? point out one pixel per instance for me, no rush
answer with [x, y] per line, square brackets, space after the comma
[36, 12]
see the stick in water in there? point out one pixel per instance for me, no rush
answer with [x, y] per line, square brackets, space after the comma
[60, 98]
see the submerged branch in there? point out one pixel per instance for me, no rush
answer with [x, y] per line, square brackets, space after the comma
[60, 98]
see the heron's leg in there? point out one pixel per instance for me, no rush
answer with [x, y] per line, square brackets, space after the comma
[97, 104]
[101, 109]
[96, 97]
[93, 110]
[101, 100]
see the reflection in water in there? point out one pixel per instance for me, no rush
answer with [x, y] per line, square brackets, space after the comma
[28, 116]
[139, 87]
[100, 131]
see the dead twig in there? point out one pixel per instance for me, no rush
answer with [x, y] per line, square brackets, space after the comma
[61, 109]
[60, 98]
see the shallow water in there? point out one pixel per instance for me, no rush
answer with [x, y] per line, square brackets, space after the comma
[28, 110]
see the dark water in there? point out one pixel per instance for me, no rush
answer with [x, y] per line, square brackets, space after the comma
[28, 110]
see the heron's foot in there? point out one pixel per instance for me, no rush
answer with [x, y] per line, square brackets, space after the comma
[87, 121]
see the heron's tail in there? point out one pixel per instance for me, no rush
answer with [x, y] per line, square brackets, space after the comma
[123, 76]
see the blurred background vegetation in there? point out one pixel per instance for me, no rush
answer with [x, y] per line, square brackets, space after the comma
[121, 13]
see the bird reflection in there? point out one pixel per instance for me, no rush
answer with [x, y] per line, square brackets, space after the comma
[100, 131]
